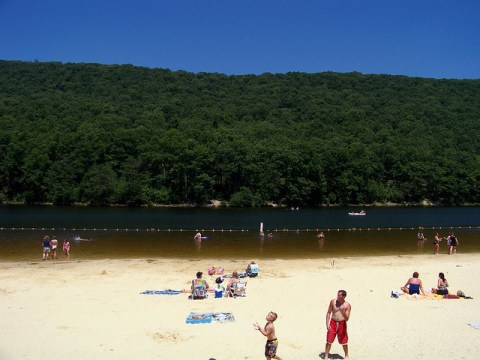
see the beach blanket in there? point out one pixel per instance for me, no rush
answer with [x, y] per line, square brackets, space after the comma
[240, 275]
[209, 317]
[161, 292]
[475, 325]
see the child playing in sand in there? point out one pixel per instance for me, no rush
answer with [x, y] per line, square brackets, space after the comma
[269, 331]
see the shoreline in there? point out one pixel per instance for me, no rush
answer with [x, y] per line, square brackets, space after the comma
[215, 204]
[94, 307]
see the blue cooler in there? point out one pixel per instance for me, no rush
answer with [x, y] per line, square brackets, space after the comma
[218, 293]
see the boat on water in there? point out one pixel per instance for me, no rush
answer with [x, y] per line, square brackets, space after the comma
[360, 213]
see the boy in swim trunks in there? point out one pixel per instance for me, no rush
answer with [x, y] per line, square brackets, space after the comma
[269, 331]
[338, 314]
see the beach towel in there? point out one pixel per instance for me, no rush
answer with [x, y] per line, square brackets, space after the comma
[451, 296]
[161, 292]
[475, 325]
[240, 275]
[209, 317]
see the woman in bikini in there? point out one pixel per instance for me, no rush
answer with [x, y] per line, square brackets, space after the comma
[442, 285]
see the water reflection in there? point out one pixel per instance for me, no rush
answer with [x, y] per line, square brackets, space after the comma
[198, 244]
[321, 243]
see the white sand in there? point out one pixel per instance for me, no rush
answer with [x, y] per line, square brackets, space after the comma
[94, 309]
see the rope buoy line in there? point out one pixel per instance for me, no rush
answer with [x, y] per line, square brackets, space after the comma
[477, 227]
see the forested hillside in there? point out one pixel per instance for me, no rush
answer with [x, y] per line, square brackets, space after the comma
[102, 134]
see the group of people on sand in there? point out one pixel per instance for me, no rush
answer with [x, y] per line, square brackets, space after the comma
[200, 286]
[338, 313]
[50, 246]
[451, 239]
[414, 285]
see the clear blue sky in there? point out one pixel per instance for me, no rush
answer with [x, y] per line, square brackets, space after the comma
[427, 38]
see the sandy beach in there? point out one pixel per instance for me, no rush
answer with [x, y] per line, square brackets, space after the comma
[94, 310]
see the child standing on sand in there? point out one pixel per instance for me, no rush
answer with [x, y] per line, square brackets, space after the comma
[269, 331]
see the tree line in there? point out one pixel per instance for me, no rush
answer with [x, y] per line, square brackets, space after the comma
[120, 134]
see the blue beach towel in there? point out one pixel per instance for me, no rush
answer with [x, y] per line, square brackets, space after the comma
[207, 318]
[161, 292]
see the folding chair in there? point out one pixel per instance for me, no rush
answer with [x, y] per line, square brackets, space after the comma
[239, 288]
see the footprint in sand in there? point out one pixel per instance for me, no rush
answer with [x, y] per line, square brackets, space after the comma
[168, 337]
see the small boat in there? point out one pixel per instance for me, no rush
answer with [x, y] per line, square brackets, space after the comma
[361, 213]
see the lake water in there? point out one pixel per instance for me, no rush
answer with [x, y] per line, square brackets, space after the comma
[232, 233]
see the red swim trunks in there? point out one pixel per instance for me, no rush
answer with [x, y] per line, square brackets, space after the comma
[337, 328]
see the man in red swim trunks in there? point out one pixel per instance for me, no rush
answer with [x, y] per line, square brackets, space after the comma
[338, 314]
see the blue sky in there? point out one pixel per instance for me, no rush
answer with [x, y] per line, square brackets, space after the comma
[437, 39]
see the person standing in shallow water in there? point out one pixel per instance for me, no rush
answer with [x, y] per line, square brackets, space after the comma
[46, 247]
[453, 244]
[338, 313]
[54, 246]
[66, 247]
[436, 243]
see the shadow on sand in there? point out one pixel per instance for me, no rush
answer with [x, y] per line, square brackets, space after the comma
[331, 356]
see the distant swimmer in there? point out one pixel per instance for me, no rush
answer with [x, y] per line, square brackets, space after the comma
[321, 235]
[78, 238]
[198, 236]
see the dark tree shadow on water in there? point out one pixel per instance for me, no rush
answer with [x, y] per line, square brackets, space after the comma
[331, 356]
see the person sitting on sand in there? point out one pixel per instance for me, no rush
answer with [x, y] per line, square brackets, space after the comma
[211, 270]
[413, 285]
[442, 285]
[252, 269]
[231, 283]
[199, 287]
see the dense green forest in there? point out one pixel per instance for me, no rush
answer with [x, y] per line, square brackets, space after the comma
[119, 134]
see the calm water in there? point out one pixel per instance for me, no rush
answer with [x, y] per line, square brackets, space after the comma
[232, 233]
